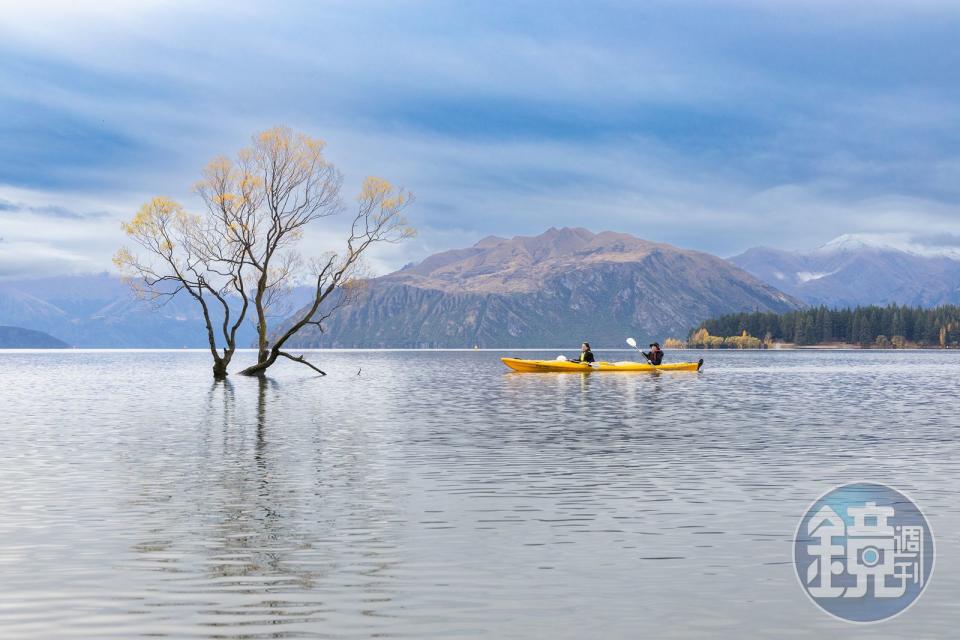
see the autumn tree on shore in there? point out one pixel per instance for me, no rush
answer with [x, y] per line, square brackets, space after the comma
[258, 206]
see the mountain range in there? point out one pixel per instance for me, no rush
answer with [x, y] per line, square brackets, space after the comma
[20, 338]
[856, 270]
[552, 289]
[557, 288]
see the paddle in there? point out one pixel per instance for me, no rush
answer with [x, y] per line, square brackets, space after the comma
[633, 343]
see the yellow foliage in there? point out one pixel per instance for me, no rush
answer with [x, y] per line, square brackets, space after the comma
[375, 189]
[219, 166]
[123, 258]
[282, 141]
[275, 139]
[152, 217]
[702, 338]
[743, 341]
[314, 144]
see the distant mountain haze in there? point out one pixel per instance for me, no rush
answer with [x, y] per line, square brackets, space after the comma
[558, 288]
[859, 270]
[101, 311]
[20, 338]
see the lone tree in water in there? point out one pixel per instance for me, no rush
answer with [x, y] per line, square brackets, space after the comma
[242, 252]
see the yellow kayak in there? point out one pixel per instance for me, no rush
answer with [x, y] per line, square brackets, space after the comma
[541, 366]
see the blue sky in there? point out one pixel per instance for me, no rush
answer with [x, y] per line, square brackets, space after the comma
[710, 125]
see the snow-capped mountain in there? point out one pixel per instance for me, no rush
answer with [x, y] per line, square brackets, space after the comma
[860, 269]
[854, 242]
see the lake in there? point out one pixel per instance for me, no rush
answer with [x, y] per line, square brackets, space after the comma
[437, 495]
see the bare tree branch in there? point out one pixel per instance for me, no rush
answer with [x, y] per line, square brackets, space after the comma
[301, 360]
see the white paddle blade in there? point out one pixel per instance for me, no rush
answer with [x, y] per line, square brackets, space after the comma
[632, 342]
[562, 358]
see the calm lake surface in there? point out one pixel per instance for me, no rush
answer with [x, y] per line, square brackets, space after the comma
[436, 495]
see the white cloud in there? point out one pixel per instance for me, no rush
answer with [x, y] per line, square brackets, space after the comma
[36, 243]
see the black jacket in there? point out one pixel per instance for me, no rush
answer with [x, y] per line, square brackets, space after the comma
[655, 357]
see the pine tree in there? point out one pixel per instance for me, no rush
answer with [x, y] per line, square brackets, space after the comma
[899, 325]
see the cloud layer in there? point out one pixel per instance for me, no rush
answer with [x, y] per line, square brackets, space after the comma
[710, 125]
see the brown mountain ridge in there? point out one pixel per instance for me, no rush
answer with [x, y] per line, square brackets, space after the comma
[557, 288]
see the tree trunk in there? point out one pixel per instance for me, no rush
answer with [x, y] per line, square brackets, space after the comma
[259, 369]
[262, 330]
[219, 369]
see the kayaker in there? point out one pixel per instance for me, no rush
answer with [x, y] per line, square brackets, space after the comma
[655, 355]
[585, 354]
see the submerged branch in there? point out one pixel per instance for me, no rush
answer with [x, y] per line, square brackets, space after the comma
[301, 360]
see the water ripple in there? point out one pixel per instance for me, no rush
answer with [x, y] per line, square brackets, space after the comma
[437, 495]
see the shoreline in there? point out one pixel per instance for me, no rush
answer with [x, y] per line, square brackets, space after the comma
[785, 347]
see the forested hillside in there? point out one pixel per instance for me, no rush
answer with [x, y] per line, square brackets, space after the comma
[892, 325]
